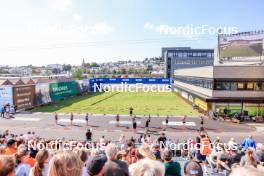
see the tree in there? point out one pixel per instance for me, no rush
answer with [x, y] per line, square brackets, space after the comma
[66, 67]
[123, 71]
[78, 73]
[55, 71]
[94, 64]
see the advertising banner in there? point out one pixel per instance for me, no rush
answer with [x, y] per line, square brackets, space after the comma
[24, 96]
[43, 93]
[6, 95]
[153, 81]
[61, 90]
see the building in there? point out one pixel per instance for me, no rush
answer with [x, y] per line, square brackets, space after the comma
[185, 57]
[21, 71]
[55, 66]
[235, 87]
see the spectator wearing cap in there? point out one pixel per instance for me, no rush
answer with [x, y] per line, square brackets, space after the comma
[249, 142]
[7, 166]
[171, 167]
[146, 152]
[193, 168]
[10, 147]
[95, 165]
[114, 167]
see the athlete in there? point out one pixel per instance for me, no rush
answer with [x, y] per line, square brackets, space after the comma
[87, 119]
[117, 120]
[202, 120]
[184, 120]
[147, 125]
[166, 122]
[134, 123]
[131, 111]
[71, 118]
[56, 118]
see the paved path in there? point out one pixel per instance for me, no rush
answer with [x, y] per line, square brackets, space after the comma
[43, 124]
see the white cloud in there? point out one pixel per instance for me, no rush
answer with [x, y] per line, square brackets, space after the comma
[77, 17]
[60, 4]
[102, 28]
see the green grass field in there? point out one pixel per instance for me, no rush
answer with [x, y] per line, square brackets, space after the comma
[241, 51]
[165, 103]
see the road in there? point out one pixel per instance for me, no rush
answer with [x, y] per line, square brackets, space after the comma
[43, 125]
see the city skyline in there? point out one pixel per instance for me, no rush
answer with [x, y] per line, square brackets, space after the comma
[66, 31]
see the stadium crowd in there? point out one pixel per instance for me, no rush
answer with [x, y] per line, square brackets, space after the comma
[144, 156]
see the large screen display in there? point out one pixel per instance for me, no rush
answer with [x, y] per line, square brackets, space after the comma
[245, 48]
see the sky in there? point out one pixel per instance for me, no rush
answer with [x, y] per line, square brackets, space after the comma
[41, 32]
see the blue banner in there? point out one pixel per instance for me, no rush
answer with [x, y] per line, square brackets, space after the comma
[99, 81]
[6, 95]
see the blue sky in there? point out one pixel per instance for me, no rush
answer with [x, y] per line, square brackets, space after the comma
[41, 32]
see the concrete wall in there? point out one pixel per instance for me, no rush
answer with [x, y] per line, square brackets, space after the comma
[242, 72]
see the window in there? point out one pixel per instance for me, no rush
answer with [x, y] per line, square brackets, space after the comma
[233, 86]
[190, 54]
[180, 54]
[209, 55]
[240, 85]
[250, 86]
[203, 54]
[257, 86]
[222, 86]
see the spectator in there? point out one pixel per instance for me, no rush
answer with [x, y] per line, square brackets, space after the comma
[171, 167]
[114, 167]
[156, 152]
[95, 165]
[131, 157]
[249, 159]
[83, 156]
[2, 111]
[246, 171]
[7, 166]
[145, 151]
[41, 166]
[88, 135]
[232, 143]
[102, 141]
[249, 142]
[148, 167]
[260, 152]
[193, 168]
[22, 169]
[10, 147]
[122, 141]
[162, 140]
[65, 163]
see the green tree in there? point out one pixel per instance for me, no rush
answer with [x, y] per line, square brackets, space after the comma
[78, 73]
